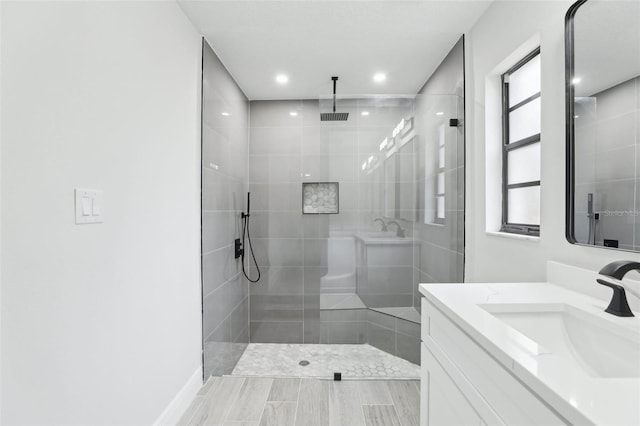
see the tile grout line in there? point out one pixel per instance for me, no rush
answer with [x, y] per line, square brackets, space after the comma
[228, 410]
[395, 410]
[393, 402]
[302, 243]
[295, 416]
[362, 410]
[264, 406]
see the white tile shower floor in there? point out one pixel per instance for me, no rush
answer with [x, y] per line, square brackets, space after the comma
[353, 361]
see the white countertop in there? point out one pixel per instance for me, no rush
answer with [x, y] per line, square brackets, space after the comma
[382, 238]
[564, 385]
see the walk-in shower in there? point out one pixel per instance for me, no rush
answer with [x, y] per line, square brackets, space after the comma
[347, 218]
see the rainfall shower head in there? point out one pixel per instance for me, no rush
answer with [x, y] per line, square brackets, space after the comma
[334, 116]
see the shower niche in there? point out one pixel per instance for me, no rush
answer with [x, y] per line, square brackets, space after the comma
[320, 197]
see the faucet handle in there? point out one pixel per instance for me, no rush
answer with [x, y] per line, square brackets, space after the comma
[618, 305]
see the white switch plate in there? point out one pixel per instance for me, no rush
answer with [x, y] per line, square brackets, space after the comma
[92, 205]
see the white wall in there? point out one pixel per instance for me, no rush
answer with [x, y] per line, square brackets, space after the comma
[505, 27]
[100, 323]
[1, 62]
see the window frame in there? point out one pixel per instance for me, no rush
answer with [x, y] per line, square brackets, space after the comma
[440, 170]
[506, 226]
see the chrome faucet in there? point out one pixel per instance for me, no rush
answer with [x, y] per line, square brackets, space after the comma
[399, 230]
[384, 225]
[618, 305]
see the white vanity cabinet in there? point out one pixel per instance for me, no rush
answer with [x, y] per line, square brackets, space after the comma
[463, 385]
[446, 405]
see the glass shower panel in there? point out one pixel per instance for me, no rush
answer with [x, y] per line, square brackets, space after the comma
[423, 169]
[439, 234]
[384, 272]
[329, 277]
[225, 302]
[352, 276]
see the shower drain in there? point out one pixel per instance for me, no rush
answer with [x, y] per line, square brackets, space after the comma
[304, 363]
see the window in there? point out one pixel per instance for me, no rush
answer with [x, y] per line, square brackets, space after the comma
[439, 193]
[521, 146]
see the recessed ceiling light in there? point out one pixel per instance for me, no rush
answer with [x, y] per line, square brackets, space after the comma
[439, 113]
[364, 113]
[576, 80]
[226, 114]
[293, 113]
[282, 79]
[379, 77]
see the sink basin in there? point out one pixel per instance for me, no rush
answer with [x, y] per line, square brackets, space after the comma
[602, 348]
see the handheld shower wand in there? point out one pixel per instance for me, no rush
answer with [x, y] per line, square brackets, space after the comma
[245, 232]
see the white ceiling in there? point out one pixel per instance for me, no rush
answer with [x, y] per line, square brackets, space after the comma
[312, 40]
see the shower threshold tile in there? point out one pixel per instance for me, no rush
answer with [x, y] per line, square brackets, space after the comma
[352, 361]
[406, 313]
[340, 301]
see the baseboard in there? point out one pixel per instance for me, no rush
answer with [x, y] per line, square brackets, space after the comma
[179, 404]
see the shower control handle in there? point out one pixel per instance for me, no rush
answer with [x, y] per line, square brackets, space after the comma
[239, 251]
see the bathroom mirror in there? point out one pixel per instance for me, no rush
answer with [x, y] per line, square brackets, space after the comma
[406, 181]
[390, 193]
[602, 46]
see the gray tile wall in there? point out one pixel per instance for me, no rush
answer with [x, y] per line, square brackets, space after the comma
[275, 167]
[607, 137]
[394, 335]
[225, 303]
[388, 333]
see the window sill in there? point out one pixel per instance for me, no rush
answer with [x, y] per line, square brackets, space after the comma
[509, 235]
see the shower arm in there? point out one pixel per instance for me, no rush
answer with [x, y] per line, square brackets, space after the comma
[335, 80]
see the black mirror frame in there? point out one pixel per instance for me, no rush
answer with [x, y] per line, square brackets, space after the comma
[569, 125]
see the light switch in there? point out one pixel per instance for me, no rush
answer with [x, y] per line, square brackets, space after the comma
[95, 207]
[88, 206]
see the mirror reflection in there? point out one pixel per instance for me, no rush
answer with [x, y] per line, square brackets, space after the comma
[603, 82]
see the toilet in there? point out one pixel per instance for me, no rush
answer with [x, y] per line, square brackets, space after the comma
[341, 260]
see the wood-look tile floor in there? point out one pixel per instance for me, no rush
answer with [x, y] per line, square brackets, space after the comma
[256, 401]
